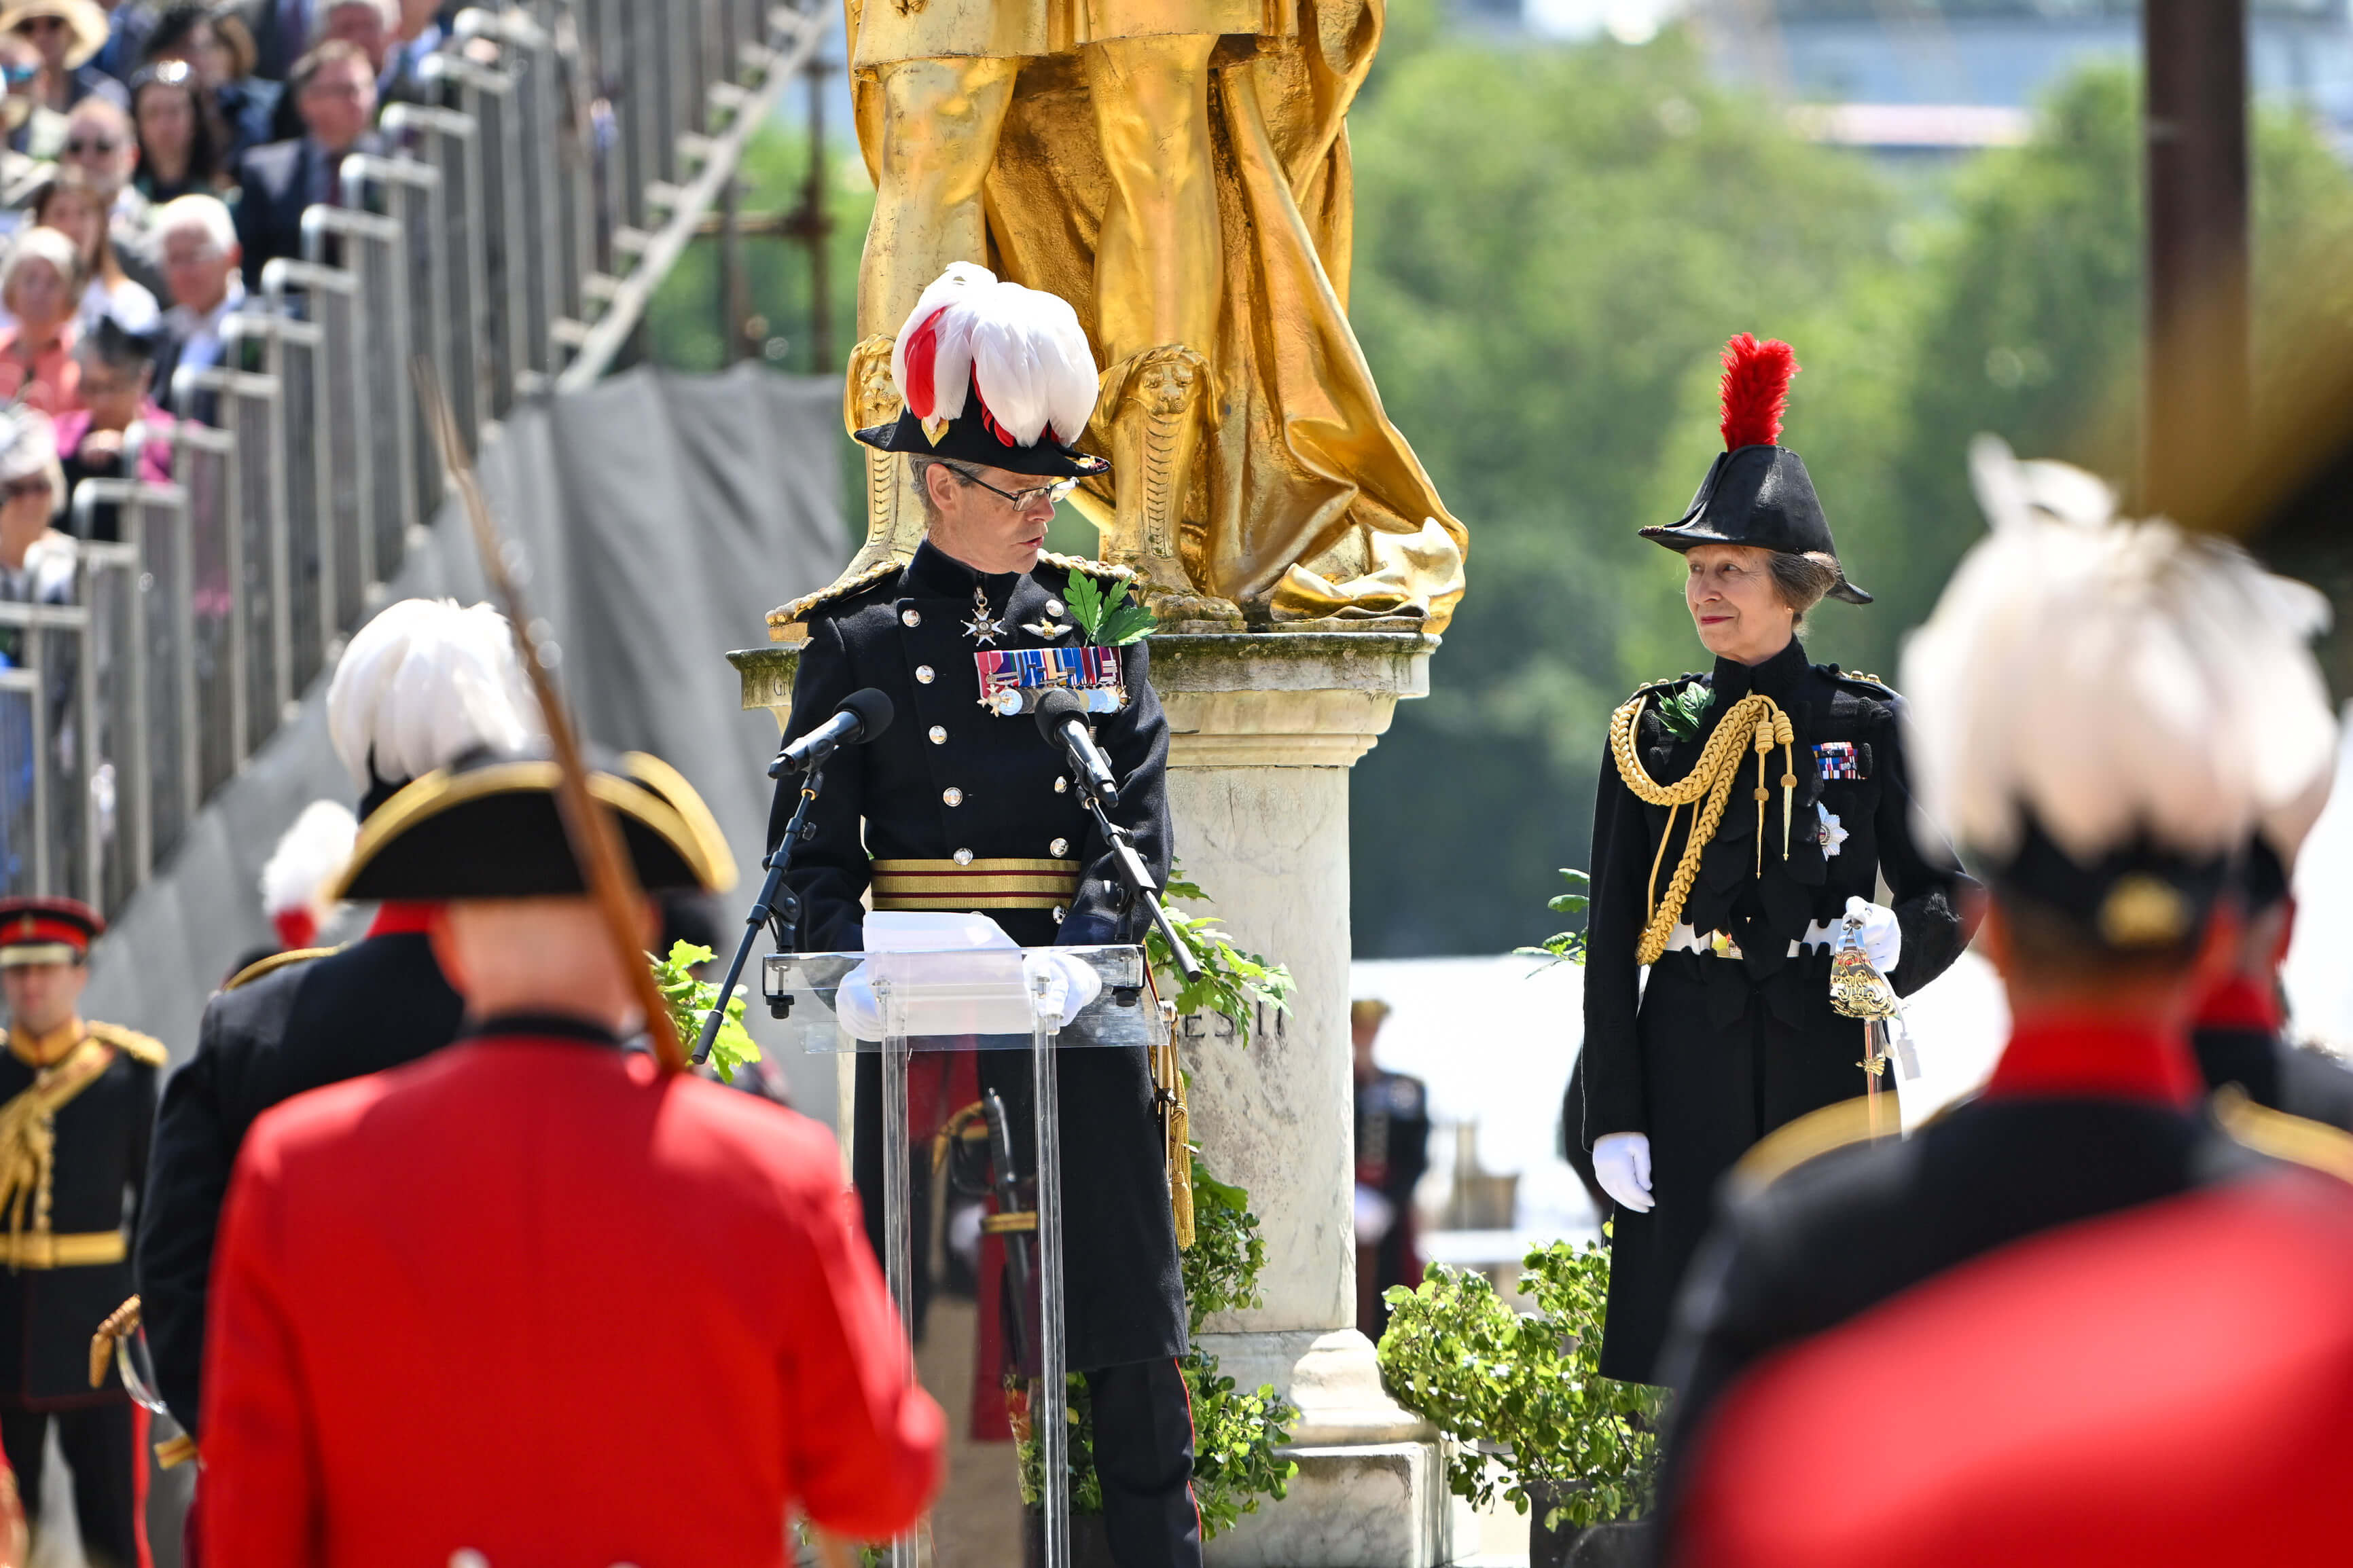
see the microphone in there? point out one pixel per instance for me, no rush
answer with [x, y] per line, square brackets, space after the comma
[861, 716]
[1061, 719]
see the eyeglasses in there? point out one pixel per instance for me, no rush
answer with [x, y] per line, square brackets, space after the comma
[40, 24]
[1022, 499]
[84, 146]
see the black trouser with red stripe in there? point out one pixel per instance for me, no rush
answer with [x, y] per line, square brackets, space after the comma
[1144, 1457]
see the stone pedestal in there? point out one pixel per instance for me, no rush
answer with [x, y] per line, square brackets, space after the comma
[1264, 728]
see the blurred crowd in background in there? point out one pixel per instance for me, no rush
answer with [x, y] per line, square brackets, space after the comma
[157, 158]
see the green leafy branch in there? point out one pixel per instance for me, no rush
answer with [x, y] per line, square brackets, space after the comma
[1569, 946]
[1682, 711]
[1110, 620]
[1525, 1389]
[691, 1000]
[1233, 982]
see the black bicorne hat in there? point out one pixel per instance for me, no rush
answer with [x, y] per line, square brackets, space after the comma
[993, 374]
[488, 827]
[1757, 492]
[2139, 895]
[971, 437]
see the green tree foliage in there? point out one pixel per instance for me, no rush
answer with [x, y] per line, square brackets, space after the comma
[1551, 245]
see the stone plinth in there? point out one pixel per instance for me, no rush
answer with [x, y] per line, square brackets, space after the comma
[1264, 729]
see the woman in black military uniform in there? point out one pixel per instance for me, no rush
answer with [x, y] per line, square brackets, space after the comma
[966, 806]
[1743, 815]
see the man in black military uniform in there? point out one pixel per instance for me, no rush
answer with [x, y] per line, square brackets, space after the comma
[76, 1102]
[421, 683]
[1726, 862]
[966, 806]
[2107, 826]
[1392, 1152]
[2240, 1032]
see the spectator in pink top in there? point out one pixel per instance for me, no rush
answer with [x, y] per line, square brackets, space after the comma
[41, 286]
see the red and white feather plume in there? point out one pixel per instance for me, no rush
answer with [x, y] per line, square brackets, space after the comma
[306, 863]
[1755, 390]
[1023, 348]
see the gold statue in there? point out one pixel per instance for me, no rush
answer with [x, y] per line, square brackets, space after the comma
[1179, 171]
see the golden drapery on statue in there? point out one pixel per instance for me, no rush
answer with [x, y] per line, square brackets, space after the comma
[1179, 171]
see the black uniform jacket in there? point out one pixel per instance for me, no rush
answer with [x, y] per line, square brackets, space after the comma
[98, 1164]
[1805, 1249]
[2277, 1074]
[1761, 912]
[950, 776]
[377, 1004]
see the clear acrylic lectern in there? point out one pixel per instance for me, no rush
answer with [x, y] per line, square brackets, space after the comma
[1039, 1000]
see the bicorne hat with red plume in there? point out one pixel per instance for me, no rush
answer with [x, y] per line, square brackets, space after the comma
[992, 375]
[1756, 491]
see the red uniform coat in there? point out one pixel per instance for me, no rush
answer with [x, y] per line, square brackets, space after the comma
[2166, 1387]
[526, 1297]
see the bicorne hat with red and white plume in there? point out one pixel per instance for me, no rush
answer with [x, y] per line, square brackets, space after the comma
[309, 860]
[1756, 491]
[993, 374]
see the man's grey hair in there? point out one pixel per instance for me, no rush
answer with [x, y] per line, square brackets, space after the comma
[922, 468]
[193, 214]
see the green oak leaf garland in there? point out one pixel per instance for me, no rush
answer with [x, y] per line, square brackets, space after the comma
[1111, 620]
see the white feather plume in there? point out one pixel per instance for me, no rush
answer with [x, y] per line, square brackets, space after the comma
[1024, 347]
[312, 854]
[422, 684]
[2115, 678]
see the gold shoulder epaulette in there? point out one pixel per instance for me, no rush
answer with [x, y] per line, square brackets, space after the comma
[786, 615]
[139, 1047]
[1859, 678]
[1809, 1137]
[274, 962]
[1669, 684]
[2326, 1149]
[1083, 563]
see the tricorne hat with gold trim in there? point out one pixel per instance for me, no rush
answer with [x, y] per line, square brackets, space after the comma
[488, 826]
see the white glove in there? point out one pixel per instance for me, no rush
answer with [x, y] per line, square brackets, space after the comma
[1882, 938]
[1375, 1214]
[1071, 981]
[1622, 1163]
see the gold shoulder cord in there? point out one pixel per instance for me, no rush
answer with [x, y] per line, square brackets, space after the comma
[1754, 720]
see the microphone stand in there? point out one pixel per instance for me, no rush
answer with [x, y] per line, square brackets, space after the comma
[774, 902]
[1139, 878]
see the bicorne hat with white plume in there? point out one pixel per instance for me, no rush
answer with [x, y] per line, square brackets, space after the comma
[1756, 491]
[993, 374]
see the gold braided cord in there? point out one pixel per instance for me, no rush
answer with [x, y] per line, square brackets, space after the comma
[1755, 722]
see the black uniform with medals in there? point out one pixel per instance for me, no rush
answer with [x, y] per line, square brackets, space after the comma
[1723, 1046]
[312, 1019]
[957, 788]
[956, 794]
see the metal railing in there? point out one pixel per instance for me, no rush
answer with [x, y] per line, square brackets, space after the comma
[510, 237]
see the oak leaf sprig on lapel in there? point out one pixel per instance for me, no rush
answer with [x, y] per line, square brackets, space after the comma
[1680, 712]
[1109, 620]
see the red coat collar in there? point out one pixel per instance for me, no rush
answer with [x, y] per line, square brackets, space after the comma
[2096, 1057]
[2239, 1003]
[400, 918]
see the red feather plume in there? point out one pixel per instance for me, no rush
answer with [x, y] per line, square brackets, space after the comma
[1755, 390]
[923, 351]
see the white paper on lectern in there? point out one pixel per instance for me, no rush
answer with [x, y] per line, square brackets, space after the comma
[970, 953]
